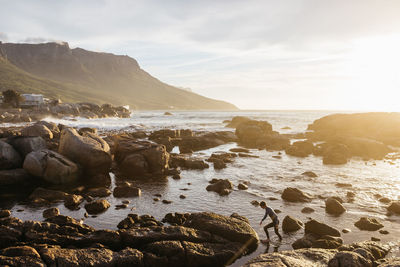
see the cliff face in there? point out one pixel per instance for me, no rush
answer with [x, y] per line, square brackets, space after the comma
[102, 76]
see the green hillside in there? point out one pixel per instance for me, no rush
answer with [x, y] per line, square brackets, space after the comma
[77, 75]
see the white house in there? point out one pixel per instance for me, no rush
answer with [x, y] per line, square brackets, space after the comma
[32, 100]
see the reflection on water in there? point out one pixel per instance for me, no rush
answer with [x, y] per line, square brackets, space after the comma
[268, 177]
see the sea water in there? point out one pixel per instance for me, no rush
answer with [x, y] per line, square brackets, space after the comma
[267, 177]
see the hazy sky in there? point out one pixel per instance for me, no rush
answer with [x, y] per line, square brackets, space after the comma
[296, 54]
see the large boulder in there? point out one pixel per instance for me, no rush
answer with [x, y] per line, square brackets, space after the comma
[380, 126]
[51, 167]
[333, 206]
[37, 130]
[89, 150]
[230, 228]
[349, 258]
[9, 157]
[25, 145]
[368, 224]
[320, 229]
[140, 158]
[236, 121]
[292, 194]
[290, 224]
[250, 131]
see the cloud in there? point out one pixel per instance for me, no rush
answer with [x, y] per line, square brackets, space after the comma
[270, 51]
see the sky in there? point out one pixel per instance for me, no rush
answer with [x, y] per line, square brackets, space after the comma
[314, 54]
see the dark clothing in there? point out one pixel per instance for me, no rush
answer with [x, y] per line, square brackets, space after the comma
[275, 222]
[271, 213]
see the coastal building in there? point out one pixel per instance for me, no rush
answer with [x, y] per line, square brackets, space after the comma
[32, 100]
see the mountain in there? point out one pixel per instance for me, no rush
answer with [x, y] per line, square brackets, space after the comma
[76, 75]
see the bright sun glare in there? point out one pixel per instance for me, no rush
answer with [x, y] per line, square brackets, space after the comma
[374, 64]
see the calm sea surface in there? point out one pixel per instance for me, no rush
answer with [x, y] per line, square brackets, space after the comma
[268, 177]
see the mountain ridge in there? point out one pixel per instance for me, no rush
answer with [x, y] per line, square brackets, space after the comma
[80, 75]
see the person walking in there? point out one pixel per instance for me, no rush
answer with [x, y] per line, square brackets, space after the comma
[275, 222]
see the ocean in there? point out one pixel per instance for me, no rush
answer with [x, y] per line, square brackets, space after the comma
[267, 177]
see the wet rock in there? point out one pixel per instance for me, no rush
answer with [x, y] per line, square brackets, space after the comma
[37, 130]
[290, 224]
[349, 258]
[356, 254]
[221, 186]
[72, 201]
[300, 149]
[15, 177]
[368, 224]
[51, 213]
[56, 256]
[89, 150]
[47, 194]
[394, 207]
[25, 145]
[309, 174]
[99, 192]
[307, 210]
[165, 201]
[182, 196]
[187, 163]
[126, 223]
[140, 158]
[295, 195]
[333, 206]
[320, 229]
[242, 186]
[384, 232]
[343, 185]
[97, 206]
[345, 231]
[5, 213]
[9, 157]
[127, 191]
[296, 258]
[20, 256]
[51, 167]
[205, 141]
[255, 203]
[230, 228]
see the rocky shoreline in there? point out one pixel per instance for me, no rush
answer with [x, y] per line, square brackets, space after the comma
[60, 110]
[58, 163]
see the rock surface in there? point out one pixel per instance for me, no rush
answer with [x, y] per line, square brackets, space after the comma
[290, 224]
[89, 150]
[51, 167]
[138, 159]
[368, 224]
[333, 206]
[292, 194]
[357, 254]
[9, 157]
